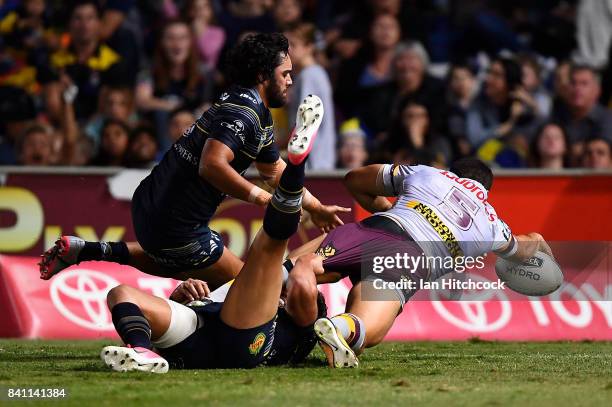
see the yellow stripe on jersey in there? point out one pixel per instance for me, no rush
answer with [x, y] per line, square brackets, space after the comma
[439, 226]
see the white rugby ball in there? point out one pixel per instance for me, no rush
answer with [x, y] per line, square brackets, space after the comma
[537, 276]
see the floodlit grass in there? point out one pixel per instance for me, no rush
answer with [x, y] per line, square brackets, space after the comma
[474, 373]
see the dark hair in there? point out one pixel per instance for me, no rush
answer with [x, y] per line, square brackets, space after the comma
[513, 72]
[143, 128]
[535, 159]
[79, 3]
[110, 122]
[474, 169]
[179, 110]
[254, 59]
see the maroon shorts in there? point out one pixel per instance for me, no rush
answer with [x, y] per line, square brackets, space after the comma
[352, 250]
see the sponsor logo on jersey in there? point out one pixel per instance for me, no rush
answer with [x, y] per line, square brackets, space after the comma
[439, 226]
[326, 252]
[475, 188]
[249, 97]
[257, 344]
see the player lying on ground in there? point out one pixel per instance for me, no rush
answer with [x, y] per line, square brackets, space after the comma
[439, 213]
[172, 207]
[246, 329]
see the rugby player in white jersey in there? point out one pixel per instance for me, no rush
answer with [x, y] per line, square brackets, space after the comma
[437, 213]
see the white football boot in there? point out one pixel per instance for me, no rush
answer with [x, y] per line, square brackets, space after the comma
[307, 122]
[125, 359]
[338, 353]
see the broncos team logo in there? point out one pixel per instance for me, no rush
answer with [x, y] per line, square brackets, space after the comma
[257, 344]
[326, 252]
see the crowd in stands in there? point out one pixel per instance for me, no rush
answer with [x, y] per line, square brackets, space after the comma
[519, 84]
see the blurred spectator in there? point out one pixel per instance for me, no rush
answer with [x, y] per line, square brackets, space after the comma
[16, 111]
[287, 14]
[352, 152]
[209, 37]
[504, 108]
[410, 80]
[347, 37]
[411, 132]
[180, 121]
[583, 117]
[549, 148]
[175, 79]
[114, 145]
[25, 32]
[598, 154]
[532, 82]
[461, 92]
[240, 16]
[83, 152]
[311, 78]
[372, 64]
[142, 148]
[116, 102]
[86, 62]
[562, 89]
[36, 146]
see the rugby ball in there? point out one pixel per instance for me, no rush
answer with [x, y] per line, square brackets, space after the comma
[537, 276]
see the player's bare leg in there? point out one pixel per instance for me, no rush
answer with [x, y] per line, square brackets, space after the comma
[252, 299]
[376, 316]
[139, 318]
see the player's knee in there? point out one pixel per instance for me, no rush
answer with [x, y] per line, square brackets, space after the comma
[373, 338]
[117, 294]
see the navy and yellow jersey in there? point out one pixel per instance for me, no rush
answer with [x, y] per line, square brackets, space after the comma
[179, 200]
[217, 345]
[104, 67]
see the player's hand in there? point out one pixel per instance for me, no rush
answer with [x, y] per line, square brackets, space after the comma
[326, 218]
[190, 290]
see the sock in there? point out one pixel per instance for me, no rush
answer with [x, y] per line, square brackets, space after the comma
[131, 325]
[283, 213]
[116, 252]
[351, 328]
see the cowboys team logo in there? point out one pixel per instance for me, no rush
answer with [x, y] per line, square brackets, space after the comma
[326, 252]
[257, 344]
[237, 127]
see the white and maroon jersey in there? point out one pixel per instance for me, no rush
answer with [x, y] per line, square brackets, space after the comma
[436, 206]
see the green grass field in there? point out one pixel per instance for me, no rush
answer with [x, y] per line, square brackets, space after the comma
[474, 373]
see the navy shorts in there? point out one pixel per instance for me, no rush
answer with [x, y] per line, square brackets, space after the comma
[200, 250]
[215, 345]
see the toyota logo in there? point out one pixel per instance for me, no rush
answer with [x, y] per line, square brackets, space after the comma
[471, 313]
[80, 296]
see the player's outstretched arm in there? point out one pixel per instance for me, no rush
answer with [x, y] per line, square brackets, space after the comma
[526, 246]
[365, 187]
[216, 169]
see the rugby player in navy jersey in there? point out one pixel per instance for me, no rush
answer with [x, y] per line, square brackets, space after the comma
[172, 207]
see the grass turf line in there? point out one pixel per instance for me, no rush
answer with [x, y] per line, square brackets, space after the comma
[474, 373]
